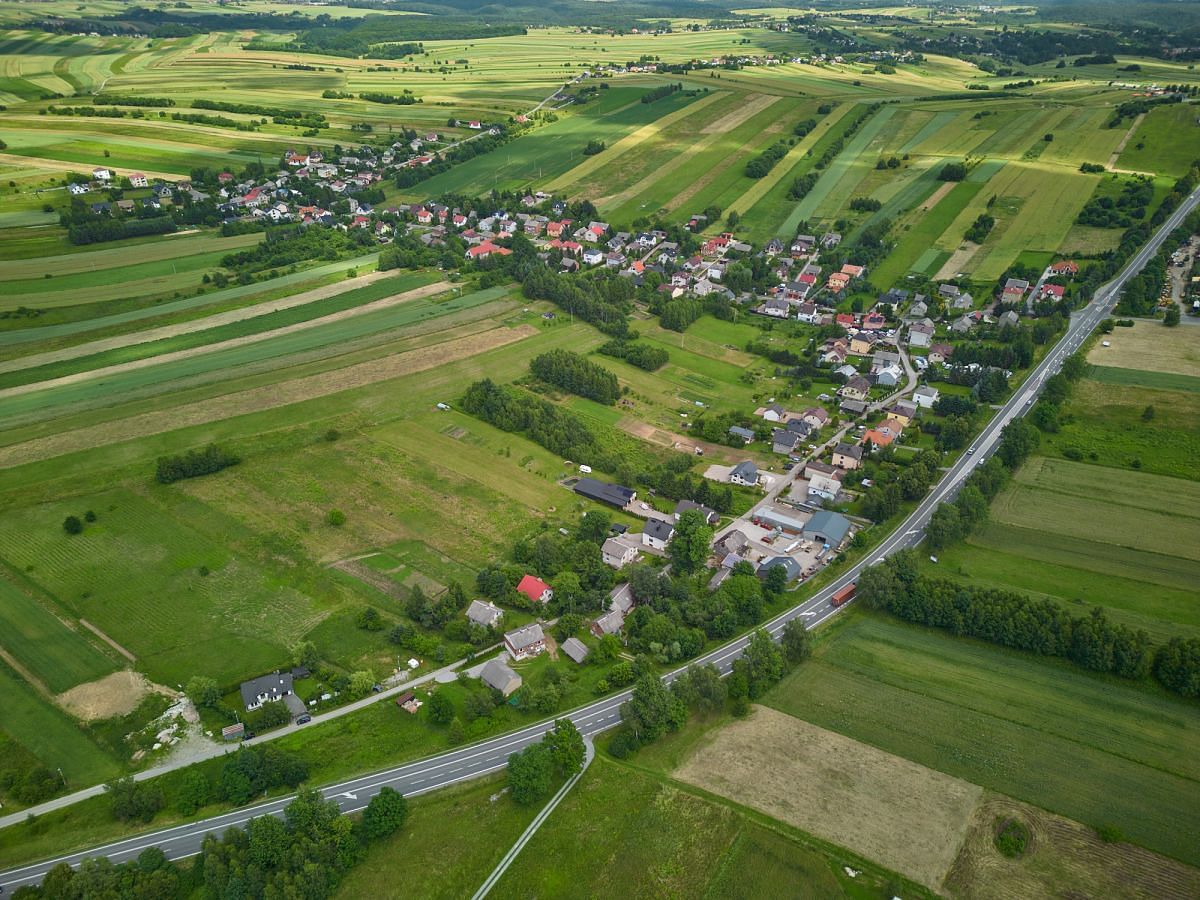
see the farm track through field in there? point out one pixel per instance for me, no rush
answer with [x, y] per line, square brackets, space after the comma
[36, 683]
[170, 331]
[386, 303]
[1112, 159]
[751, 108]
[262, 398]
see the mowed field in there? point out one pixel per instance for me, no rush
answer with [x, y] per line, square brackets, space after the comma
[840, 790]
[1091, 749]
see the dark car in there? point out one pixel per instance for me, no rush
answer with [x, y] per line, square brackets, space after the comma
[304, 719]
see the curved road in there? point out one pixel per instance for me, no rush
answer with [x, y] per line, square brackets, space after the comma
[492, 755]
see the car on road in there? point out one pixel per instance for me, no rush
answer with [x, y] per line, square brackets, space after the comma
[304, 719]
[970, 451]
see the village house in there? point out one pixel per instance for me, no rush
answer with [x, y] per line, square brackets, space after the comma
[744, 473]
[535, 589]
[903, 411]
[857, 388]
[657, 533]
[711, 516]
[783, 441]
[522, 643]
[847, 456]
[925, 396]
[484, 613]
[920, 334]
[744, 433]
[824, 480]
[618, 553]
[939, 353]
[266, 689]
[498, 675]
[816, 417]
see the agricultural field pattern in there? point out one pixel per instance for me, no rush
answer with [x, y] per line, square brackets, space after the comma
[676, 449]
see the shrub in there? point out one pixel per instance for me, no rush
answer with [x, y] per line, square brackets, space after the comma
[1012, 837]
[336, 518]
[72, 525]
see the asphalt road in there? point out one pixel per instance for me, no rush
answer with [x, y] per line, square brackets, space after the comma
[492, 755]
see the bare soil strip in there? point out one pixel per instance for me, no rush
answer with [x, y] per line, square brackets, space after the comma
[957, 261]
[933, 199]
[104, 637]
[117, 694]
[322, 321]
[214, 321]
[262, 398]
[907, 817]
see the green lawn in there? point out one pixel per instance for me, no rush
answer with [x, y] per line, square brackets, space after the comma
[1162, 381]
[1090, 748]
[1167, 141]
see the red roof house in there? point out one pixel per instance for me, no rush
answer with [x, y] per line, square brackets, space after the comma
[535, 589]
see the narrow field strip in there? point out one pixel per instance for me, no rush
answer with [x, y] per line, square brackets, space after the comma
[376, 306]
[170, 331]
[263, 398]
[630, 142]
[165, 248]
[751, 108]
[784, 167]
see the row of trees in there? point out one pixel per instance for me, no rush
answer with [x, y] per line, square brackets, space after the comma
[559, 755]
[760, 165]
[194, 463]
[574, 373]
[303, 854]
[1024, 623]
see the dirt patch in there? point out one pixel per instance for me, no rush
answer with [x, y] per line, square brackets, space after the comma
[367, 575]
[1150, 347]
[957, 262]
[114, 695]
[104, 637]
[262, 398]
[906, 817]
[936, 196]
[163, 358]
[663, 438]
[1063, 859]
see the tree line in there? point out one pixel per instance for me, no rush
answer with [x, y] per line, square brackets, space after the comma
[193, 464]
[644, 356]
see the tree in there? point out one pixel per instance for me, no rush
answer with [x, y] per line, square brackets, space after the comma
[369, 619]
[203, 691]
[972, 506]
[566, 747]
[1171, 316]
[385, 814]
[761, 662]
[1148, 414]
[361, 683]
[134, 801]
[72, 525]
[530, 774]
[305, 654]
[945, 526]
[797, 642]
[336, 518]
[194, 793]
[652, 710]
[441, 708]
[689, 548]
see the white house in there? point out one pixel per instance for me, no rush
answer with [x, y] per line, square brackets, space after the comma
[658, 533]
[78, 187]
[102, 174]
[525, 642]
[744, 473]
[266, 689]
[925, 396]
[617, 553]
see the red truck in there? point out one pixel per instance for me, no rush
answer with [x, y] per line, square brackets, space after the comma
[843, 595]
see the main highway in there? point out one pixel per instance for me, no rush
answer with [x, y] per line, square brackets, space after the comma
[491, 755]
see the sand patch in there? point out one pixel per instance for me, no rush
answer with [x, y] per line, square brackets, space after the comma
[262, 398]
[1060, 853]
[906, 817]
[117, 694]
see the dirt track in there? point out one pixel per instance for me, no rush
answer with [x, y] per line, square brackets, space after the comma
[395, 300]
[214, 321]
[262, 398]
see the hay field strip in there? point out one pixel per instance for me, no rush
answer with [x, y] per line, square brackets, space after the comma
[109, 265]
[849, 166]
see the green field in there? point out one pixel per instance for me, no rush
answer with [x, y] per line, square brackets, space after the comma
[1089, 748]
[53, 652]
[1167, 141]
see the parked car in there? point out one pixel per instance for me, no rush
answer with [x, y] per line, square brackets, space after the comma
[304, 719]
